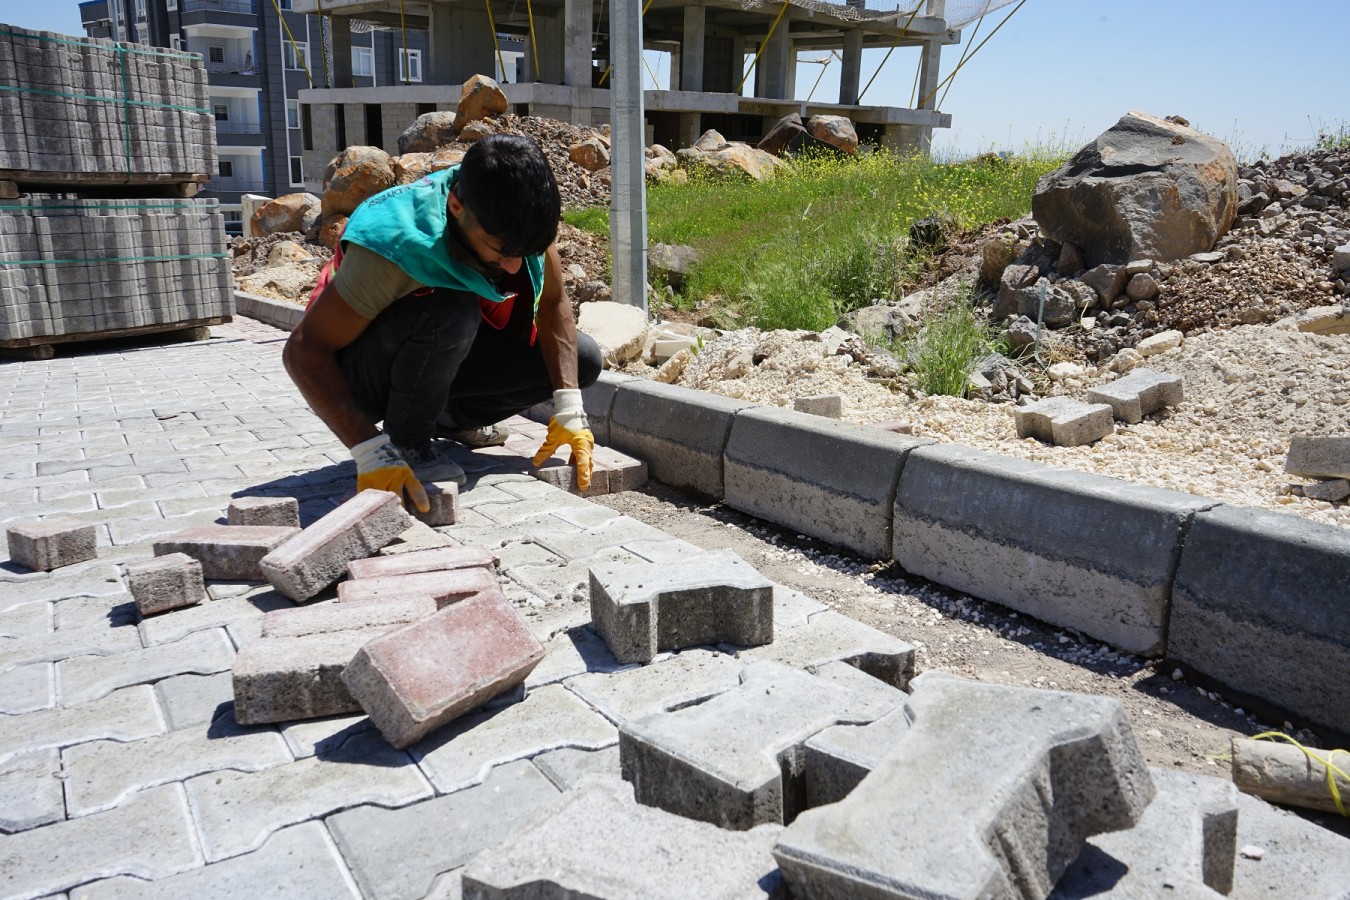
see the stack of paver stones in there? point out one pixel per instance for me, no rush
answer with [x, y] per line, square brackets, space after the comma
[135, 123]
[668, 723]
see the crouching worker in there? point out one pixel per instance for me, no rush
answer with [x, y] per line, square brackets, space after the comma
[444, 315]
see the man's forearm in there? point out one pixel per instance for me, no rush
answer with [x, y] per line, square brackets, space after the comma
[324, 387]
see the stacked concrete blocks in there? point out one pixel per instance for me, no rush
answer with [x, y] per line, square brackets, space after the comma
[1063, 421]
[165, 583]
[1260, 603]
[594, 841]
[51, 543]
[276, 511]
[991, 793]
[642, 609]
[1140, 393]
[832, 480]
[318, 556]
[227, 552]
[423, 675]
[737, 760]
[1029, 538]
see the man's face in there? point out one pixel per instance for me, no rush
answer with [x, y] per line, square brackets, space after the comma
[487, 248]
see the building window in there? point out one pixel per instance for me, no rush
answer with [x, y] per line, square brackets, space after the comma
[175, 42]
[292, 113]
[294, 55]
[171, 4]
[363, 62]
[410, 65]
[221, 111]
[297, 173]
[215, 54]
[226, 168]
[286, 4]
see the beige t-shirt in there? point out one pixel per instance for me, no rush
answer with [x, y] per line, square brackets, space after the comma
[369, 282]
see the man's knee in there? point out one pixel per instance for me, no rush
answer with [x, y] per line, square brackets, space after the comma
[590, 361]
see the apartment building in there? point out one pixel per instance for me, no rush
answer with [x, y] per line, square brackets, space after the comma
[259, 55]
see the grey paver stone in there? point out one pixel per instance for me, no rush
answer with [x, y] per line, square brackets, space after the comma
[167, 582]
[101, 774]
[420, 536]
[1318, 456]
[52, 542]
[737, 760]
[61, 855]
[1063, 421]
[828, 637]
[226, 552]
[644, 608]
[595, 841]
[284, 678]
[23, 619]
[283, 511]
[1000, 785]
[236, 811]
[30, 791]
[463, 753]
[517, 511]
[583, 543]
[1294, 852]
[109, 610]
[235, 603]
[27, 689]
[566, 767]
[318, 556]
[570, 653]
[96, 581]
[318, 737]
[298, 863]
[683, 679]
[1140, 393]
[67, 643]
[193, 699]
[87, 678]
[397, 854]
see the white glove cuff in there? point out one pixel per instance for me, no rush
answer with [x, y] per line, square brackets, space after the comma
[567, 402]
[373, 453]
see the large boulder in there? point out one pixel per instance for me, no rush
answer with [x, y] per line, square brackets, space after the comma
[591, 154]
[784, 131]
[837, 131]
[480, 98]
[429, 131]
[411, 166]
[733, 159]
[1147, 188]
[283, 214]
[355, 174]
[710, 140]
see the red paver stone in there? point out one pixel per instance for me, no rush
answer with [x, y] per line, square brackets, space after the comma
[447, 587]
[284, 511]
[227, 552]
[166, 582]
[318, 556]
[437, 559]
[417, 678]
[324, 618]
[444, 497]
[51, 542]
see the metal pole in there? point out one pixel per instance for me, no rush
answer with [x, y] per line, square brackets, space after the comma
[628, 190]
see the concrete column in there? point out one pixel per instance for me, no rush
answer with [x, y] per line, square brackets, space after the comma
[691, 48]
[691, 129]
[340, 28]
[628, 193]
[771, 77]
[548, 36]
[578, 23]
[930, 66]
[850, 77]
[461, 45]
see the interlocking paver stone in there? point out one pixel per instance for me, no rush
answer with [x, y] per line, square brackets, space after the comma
[991, 792]
[580, 544]
[67, 643]
[283, 678]
[167, 582]
[571, 653]
[236, 811]
[318, 556]
[192, 699]
[1140, 393]
[839, 757]
[396, 854]
[828, 637]
[422, 675]
[596, 841]
[51, 542]
[683, 679]
[417, 538]
[90, 677]
[463, 753]
[643, 609]
[95, 581]
[324, 618]
[226, 552]
[437, 559]
[226, 607]
[1064, 421]
[737, 760]
[283, 511]
[567, 767]
[61, 855]
[27, 688]
[30, 791]
[446, 587]
[298, 863]
[1294, 852]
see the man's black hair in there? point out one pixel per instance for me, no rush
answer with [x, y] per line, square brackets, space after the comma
[506, 183]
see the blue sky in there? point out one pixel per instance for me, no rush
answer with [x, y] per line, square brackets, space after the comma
[1257, 74]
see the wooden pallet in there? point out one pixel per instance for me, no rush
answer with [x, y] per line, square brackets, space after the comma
[96, 185]
[43, 347]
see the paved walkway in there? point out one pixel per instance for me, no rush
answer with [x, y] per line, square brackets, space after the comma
[119, 757]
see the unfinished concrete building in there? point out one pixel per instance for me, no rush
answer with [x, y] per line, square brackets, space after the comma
[563, 48]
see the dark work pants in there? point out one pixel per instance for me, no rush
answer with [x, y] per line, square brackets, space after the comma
[431, 354]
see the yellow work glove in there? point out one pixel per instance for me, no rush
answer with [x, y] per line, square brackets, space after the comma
[569, 426]
[380, 467]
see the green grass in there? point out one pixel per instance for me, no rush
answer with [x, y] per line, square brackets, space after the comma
[828, 237]
[942, 351]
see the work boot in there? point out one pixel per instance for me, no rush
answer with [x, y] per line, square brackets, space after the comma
[431, 462]
[473, 438]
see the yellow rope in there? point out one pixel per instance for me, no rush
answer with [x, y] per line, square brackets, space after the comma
[904, 30]
[298, 55]
[656, 85]
[609, 68]
[1332, 771]
[965, 53]
[534, 45]
[764, 43]
[403, 27]
[492, 29]
[971, 56]
[829, 59]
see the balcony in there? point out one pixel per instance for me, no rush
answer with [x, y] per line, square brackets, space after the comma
[243, 7]
[237, 185]
[231, 127]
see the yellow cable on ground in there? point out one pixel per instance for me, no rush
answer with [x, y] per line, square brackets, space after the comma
[764, 43]
[1332, 771]
[492, 28]
[609, 68]
[534, 45]
[971, 56]
[327, 80]
[298, 55]
[904, 30]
